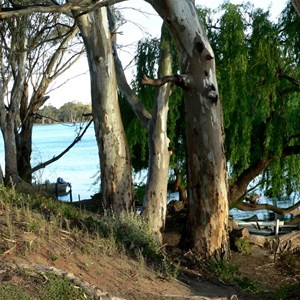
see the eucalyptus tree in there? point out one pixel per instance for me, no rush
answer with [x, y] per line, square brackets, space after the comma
[206, 230]
[147, 57]
[155, 124]
[116, 182]
[13, 53]
[207, 188]
[115, 166]
[49, 39]
[54, 47]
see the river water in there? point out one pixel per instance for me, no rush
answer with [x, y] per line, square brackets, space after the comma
[80, 166]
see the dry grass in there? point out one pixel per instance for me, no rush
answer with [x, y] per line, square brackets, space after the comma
[53, 246]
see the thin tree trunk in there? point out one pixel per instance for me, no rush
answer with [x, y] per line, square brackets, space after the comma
[155, 202]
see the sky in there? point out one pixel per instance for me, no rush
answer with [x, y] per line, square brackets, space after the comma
[142, 21]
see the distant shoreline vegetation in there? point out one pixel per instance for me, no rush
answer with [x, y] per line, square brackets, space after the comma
[69, 112]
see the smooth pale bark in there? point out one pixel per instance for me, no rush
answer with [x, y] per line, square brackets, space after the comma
[206, 230]
[8, 114]
[155, 201]
[154, 206]
[115, 166]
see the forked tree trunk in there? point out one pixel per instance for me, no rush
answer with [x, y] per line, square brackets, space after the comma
[155, 202]
[115, 166]
[206, 230]
[9, 113]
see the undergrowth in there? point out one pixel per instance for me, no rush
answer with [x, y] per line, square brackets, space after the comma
[127, 232]
[47, 287]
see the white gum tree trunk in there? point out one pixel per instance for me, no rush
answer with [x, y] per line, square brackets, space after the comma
[155, 205]
[115, 166]
[206, 230]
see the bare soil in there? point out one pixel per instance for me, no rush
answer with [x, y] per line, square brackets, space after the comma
[114, 275]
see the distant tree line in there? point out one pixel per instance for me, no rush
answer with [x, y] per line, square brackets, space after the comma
[69, 112]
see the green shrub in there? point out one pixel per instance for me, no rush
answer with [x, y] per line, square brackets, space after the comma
[288, 292]
[243, 245]
[58, 288]
[12, 292]
[249, 285]
[223, 269]
[132, 231]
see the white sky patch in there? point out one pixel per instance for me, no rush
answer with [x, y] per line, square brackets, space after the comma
[142, 21]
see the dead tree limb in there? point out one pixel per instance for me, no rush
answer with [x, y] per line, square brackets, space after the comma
[55, 158]
[179, 80]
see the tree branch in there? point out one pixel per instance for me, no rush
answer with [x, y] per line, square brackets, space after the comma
[290, 150]
[238, 189]
[55, 158]
[64, 8]
[179, 80]
[137, 106]
[289, 78]
[281, 211]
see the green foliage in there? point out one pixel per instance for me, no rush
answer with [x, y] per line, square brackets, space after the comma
[139, 192]
[249, 286]
[69, 112]
[60, 289]
[54, 288]
[169, 269]
[258, 71]
[288, 292]
[230, 274]
[130, 230]
[243, 245]
[223, 269]
[12, 292]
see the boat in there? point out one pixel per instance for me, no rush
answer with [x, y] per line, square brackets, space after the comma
[266, 228]
[58, 189]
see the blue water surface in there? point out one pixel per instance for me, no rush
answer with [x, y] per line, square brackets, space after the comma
[79, 166]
